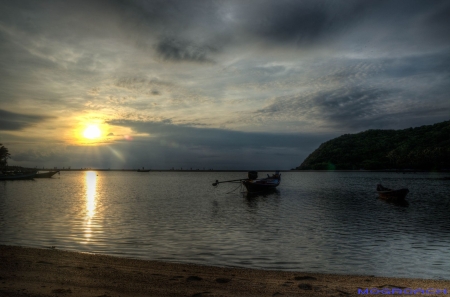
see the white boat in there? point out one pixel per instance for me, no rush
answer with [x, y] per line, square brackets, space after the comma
[46, 174]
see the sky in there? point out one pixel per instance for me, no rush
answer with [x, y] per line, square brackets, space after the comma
[214, 84]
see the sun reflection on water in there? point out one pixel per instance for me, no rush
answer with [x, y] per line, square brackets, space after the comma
[91, 195]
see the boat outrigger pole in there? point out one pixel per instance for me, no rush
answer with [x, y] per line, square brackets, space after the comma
[251, 175]
[228, 181]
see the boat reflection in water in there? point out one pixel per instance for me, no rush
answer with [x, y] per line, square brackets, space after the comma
[401, 203]
[268, 199]
[262, 194]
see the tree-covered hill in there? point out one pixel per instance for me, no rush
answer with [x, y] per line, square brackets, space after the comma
[425, 148]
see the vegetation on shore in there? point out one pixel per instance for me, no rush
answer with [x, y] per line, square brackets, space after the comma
[4, 156]
[421, 148]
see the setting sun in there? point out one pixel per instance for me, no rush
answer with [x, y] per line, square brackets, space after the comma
[92, 132]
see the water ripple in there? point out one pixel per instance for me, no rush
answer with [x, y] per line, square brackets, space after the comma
[318, 222]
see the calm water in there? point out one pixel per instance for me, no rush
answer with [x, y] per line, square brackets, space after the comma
[316, 222]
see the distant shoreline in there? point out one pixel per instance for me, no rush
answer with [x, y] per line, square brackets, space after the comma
[242, 170]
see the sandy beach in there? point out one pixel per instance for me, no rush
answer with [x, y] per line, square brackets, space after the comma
[52, 272]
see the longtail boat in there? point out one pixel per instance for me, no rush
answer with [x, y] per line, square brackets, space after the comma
[253, 184]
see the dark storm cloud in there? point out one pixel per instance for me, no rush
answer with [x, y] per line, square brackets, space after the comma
[425, 64]
[171, 49]
[217, 138]
[300, 21]
[176, 30]
[191, 30]
[341, 106]
[180, 145]
[437, 22]
[171, 15]
[355, 109]
[344, 104]
[11, 121]
[371, 93]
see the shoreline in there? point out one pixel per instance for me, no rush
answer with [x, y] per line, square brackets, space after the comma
[28, 271]
[405, 171]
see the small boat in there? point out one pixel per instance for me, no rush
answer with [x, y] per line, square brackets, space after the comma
[46, 174]
[391, 195]
[143, 170]
[11, 175]
[253, 184]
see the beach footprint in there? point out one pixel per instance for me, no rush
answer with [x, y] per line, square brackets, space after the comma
[223, 280]
[62, 291]
[203, 294]
[305, 286]
[287, 284]
[307, 277]
[194, 278]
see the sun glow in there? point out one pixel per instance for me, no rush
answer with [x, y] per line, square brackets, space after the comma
[95, 132]
[92, 132]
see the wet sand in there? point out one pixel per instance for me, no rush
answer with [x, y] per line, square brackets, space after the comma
[52, 272]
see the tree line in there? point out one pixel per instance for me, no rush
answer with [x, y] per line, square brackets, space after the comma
[4, 156]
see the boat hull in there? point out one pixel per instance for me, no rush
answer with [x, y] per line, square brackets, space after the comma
[391, 195]
[17, 176]
[261, 185]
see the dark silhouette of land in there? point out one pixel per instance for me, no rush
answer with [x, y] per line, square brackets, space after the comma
[422, 148]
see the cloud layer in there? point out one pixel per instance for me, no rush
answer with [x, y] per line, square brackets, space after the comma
[10, 121]
[219, 74]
